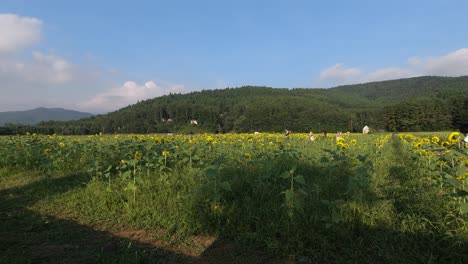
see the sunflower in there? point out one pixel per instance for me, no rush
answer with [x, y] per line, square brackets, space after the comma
[342, 145]
[435, 139]
[137, 155]
[462, 177]
[453, 138]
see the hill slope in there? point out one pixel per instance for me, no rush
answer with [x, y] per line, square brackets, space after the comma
[414, 104]
[397, 90]
[40, 114]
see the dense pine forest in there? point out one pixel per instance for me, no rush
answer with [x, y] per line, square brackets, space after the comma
[414, 104]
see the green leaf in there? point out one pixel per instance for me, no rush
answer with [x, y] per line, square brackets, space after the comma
[461, 171]
[225, 186]
[361, 171]
[302, 191]
[464, 208]
[361, 158]
[293, 169]
[211, 173]
[446, 175]
[130, 187]
[219, 160]
[127, 174]
[285, 175]
[289, 197]
[300, 179]
[108, 168]
[454, 183]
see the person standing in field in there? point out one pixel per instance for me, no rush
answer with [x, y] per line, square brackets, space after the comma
[365, 130]
[311, 137]
[338, 136]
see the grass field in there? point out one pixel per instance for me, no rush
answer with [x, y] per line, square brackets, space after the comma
[234, 198]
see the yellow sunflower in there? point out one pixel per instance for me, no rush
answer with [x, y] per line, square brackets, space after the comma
[453, 138]
[137, 155]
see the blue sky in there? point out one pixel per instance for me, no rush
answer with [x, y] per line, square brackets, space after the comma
[98, 56]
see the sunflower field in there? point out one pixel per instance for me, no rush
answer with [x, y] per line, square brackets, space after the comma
[380, 198]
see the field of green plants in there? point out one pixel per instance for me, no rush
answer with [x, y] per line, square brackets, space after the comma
[380, 198]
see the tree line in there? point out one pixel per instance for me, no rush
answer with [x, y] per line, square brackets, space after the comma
[415, 104]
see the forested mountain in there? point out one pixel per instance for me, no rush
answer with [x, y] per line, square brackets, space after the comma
[34, 116]
[414, 104]
[397, 90]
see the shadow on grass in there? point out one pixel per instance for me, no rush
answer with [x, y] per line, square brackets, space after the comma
[29, 237]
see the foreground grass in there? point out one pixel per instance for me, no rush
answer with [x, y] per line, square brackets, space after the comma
[374, 203]
[37, 226]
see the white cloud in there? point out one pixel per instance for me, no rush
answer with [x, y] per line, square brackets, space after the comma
[129, 93]
[38, 79]
[52, 68]
[18, 32]
[388, 74]
[340, 74]
[41, 70]
[452, 64]
[44, 79]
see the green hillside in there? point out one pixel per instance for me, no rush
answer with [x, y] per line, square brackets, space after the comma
[401, 89]
[414, 104]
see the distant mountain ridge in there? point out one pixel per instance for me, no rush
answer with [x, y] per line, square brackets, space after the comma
[41, 114]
